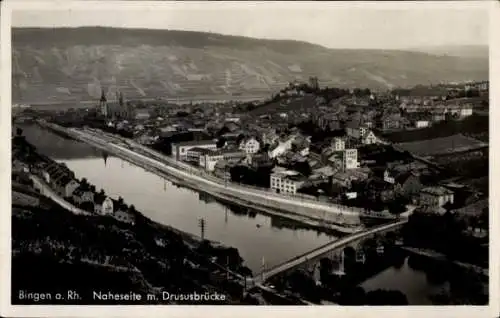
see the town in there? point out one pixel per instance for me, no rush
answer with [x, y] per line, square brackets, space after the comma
[415, 157]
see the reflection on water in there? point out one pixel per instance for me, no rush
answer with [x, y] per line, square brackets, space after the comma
[163, 202]
[250, 232]
[255, 235]
[411, 281]
[426, 282]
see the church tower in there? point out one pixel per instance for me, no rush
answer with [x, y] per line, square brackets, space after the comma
[103, 104]
[120, 99]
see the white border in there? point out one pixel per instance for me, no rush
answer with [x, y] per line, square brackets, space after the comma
[8, 310]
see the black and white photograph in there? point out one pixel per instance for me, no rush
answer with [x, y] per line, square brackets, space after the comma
[248, 153]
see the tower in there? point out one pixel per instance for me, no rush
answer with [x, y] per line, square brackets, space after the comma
[120, 99]
[103, 104]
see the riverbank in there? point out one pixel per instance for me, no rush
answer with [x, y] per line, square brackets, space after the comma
[312, 213]
[441, 257]
[189, 239]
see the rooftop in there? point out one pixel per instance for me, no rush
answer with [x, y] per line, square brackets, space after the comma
[195, 143]
[438, 190]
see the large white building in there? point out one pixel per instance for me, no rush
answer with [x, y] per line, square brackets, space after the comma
[350, 159]
[281, 148]
[287, 182]
[209, 158]
[250, 145]
[180, 150]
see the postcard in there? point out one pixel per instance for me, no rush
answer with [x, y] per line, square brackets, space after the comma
[249, 158]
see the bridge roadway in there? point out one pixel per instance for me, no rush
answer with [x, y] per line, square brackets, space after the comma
[340, 243]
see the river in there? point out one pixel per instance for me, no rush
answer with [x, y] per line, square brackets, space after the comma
[257, 237]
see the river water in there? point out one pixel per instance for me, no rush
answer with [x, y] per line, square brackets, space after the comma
[257, 237]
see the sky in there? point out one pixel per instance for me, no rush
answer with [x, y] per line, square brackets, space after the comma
[334, 25]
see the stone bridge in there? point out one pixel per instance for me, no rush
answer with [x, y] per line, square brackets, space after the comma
[330, 250]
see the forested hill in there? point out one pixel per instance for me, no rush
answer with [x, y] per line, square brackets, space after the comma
[71, 64]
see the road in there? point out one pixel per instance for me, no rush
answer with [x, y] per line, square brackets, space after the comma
[267, 195]
[327, 211]
[324, 249]
[48, 192]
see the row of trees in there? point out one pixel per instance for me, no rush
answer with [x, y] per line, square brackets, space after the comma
[445, 234]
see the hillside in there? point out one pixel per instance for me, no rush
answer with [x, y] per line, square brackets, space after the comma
[73, 64]
[474, 51]
[55, 251]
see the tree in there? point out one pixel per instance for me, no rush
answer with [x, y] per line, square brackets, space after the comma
[396, 207]
[386, 297]
[352, 296]
[221, 142]
[377, 206]
[222, 131]
[484, 217]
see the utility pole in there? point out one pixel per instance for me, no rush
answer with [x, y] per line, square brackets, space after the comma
[263, 268]
[201, 224]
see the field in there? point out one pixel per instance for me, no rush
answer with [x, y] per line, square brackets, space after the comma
[440, 146]
[475, 125]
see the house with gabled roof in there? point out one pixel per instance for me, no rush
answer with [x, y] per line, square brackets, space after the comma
[103, 204]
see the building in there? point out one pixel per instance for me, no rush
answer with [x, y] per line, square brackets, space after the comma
[250, 145]
[350, 159]
[117, 110]
[407, 184]
[103, 105]
[338, 144]
[436, 197]
[269, 137]
[222, 170]
[232, 155]
[179, 150]
[209, 158]
[260, 161]
[281, 148]
[390, 122]
[378, 189]
[54, 170]
[193, 155]
[142, 114]
[122, 213]
[356, 130]
[82, 194]
[124, 216]
[287, 181]
[421, 123]
[466, 110]
[103, 204]
[66, 186]
[369, 138]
